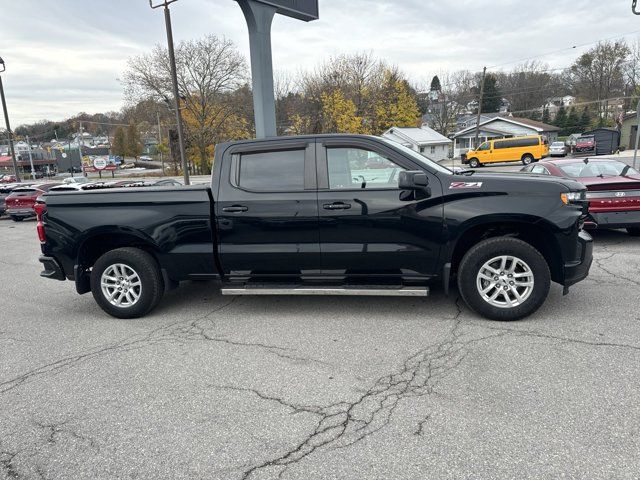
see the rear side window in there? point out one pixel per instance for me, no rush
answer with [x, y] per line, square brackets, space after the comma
[518, 142]
[272, 171]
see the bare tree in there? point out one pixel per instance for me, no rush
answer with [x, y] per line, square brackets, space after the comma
[208, 70]
[598, 74]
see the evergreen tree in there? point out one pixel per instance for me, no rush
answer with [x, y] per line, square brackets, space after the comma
[435, 84]
[585, 120]
[573, 122]
[545, 115]
[133, 146]
[119, 143]
[492, 97]
[561, 119]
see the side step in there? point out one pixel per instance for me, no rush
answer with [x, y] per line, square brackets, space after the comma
[376, 290]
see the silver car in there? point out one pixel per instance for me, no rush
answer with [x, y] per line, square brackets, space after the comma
[557, 149]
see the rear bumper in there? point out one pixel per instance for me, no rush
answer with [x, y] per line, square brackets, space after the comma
[579, 269]
[52, 268]
[21, 212]
[614, 219]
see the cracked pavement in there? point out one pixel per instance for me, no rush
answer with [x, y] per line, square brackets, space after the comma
[329, 388]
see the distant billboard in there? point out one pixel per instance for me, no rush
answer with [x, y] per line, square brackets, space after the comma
[306, 10]
[94, 163]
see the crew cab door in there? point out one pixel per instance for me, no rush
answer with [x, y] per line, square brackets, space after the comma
[369, 228]
[267, 210]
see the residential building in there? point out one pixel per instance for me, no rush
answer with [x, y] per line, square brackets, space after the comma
[424, 140]
[501, 127]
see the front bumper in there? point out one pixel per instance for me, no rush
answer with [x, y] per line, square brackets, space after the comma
[52, 268]
[578, 270]
[613, 219]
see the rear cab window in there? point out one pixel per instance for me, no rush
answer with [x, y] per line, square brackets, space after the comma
[271, 171]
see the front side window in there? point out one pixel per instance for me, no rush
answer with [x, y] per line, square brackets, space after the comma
[272, 171]
[351, 168]
[484, 146]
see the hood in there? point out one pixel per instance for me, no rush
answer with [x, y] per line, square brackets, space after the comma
[518, 182]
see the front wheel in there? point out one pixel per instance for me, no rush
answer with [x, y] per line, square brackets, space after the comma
[633, 231]
[126, 282]
[527, 159]
[504, 278]
[474, 163]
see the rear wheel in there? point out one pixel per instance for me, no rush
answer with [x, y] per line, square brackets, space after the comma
[474, 163]
[504, 278]
[633, 231]
[527, 159]
[126, 282]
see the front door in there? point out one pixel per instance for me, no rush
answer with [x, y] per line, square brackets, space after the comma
[369, 228]
[267, 210]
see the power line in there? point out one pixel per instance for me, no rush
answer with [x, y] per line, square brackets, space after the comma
[565, 49]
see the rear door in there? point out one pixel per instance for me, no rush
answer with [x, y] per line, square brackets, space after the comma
[267, 210]
[369, 228]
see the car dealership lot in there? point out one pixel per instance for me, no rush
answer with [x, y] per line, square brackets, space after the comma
[324, 387]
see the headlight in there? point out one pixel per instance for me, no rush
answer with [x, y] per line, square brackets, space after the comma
[572, 197]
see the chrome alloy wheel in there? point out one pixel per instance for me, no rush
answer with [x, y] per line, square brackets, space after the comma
[121, 285]
[505, 281]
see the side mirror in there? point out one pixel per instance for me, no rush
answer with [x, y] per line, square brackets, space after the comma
[412, 180]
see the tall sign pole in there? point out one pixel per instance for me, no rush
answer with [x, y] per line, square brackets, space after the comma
[259, 16]
[174, 81]
[6, 121]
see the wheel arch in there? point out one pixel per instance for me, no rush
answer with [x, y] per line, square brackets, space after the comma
[537, 234]
[100, 242]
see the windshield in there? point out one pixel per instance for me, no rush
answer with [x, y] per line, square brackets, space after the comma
[557, 144]
[597, 169]
[416, 156]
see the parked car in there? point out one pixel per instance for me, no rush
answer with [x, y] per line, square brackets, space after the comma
[613, 190]
[146, 158]
[77, 180]
[167, 182]
[20, 201]
[558, 149]
[526, 149]
[585, 144]
[5, 190]
[274, 204]
[8, 179]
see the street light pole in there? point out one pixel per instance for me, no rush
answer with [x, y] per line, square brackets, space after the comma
[6, 121]
[174, 80]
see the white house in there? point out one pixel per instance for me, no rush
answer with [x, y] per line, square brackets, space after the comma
[424, 140]
[501, 127]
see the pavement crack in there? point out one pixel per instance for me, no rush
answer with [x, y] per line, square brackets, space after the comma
[344, 424]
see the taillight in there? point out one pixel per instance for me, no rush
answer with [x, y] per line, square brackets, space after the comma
[40, 208]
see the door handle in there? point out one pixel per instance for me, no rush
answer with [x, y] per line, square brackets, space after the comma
[235, 209]
[336, 206]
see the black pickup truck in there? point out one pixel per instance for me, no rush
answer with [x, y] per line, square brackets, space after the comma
[324, 214]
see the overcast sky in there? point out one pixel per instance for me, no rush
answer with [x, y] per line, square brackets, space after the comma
[65, 56]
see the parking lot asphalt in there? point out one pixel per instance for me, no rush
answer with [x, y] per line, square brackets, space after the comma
[219, 387]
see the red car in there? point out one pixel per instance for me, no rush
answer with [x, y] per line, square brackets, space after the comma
[613, 189]
[585, 144]
[20, 202]
[8, 179]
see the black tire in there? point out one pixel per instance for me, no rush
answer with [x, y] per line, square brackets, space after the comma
[474, 163]
[527, 159]
[633, 231]
[16, 219]
[486, 250]
[146, 268]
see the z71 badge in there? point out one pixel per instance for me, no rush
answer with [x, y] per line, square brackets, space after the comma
[465, 185]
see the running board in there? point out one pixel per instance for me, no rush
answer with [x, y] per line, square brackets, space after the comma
[383, 291]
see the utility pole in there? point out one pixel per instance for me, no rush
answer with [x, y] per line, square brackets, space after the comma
[6, 121]
[160, 142]
[635, 151]
[484, 72]
[174, 80]
[33, 173]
